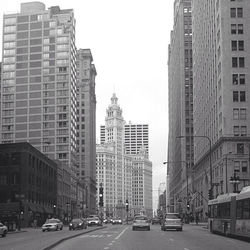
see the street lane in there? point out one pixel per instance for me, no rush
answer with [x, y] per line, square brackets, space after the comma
[121, 237]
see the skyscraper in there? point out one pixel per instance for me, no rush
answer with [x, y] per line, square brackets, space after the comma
[38, 88]
[180, 82]
[86, 127]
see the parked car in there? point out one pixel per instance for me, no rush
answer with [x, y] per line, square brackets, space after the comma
[77, 224]
[3, 230]
[52, 225]
[172, 221]
[94, 221]
[141, 222]
[116, 221]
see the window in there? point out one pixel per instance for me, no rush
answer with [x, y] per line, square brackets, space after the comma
[242, 78]
[235, 96]
[243, 130]
[236, 131]
[244, 167]
[237, 166]
[241, 45]
[240, 29]
[241, 62]
[233, 12]
[243, 114]
[234, 62]
[234, 45]
[235, 79]
[242, 96]
[239, 12]
[235, 114]
[233, 29]
[240, 148]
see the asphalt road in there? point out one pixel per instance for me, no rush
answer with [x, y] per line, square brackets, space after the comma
[121, 237]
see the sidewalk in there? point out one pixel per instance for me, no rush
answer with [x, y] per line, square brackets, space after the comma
[200, 224]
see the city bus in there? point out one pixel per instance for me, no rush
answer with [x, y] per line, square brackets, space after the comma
[229, 214]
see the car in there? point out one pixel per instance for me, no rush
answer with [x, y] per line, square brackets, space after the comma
[94, 221]
[156, 220]
[52, 225]
[172, 221]
[77, 223]
[3, 230]
[141, 222]
[116, 221]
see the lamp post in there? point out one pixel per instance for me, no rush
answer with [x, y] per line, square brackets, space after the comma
[210, 162]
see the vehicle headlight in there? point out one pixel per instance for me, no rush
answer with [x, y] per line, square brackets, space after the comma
[70, 224]
[80, 224]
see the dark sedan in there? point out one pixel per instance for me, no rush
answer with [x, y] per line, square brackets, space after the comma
[77, 224]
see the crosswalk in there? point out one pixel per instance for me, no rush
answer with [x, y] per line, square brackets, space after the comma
[95, 236]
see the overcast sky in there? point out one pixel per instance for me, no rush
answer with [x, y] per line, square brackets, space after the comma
[129, 43]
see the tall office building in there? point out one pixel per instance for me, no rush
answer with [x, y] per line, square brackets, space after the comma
[86, 127]
[136, 137]
[180, 83]
[38, 89]
[221, 95]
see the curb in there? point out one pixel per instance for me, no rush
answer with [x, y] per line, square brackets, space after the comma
[70, 237]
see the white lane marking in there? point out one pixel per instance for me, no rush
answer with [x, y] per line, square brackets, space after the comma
[106, 248]
[171, 239]
[109, 235]
[110, 244]
[186, 248]
[121, 233]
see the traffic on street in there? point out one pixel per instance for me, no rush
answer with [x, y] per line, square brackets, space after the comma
[122, 237]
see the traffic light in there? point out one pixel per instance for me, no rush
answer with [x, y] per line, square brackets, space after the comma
[101, 196]
[127, 205]
[188, 205]
[210, 194]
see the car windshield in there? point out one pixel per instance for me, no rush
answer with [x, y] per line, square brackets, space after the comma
[172, 216]
[52, 221]
[141, 218]
[93, 218]
[76, 220]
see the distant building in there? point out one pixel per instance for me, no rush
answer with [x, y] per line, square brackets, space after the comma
[125, 174]
[136, 137]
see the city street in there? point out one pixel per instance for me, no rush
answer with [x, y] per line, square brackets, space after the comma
[121, 237]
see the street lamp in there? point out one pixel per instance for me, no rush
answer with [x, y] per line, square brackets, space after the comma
[54, 210]
[210, 162]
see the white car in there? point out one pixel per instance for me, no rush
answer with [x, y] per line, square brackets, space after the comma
[172, 221]
[94, 221]
[52, 225]
[141, 222]
[3, 230]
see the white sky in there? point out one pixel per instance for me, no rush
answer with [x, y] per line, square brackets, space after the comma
[129, 43]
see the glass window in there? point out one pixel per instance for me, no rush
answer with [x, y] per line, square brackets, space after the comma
[235, 79]
[10, 29]
[240, 148]
[240, 29]
[243, 114]
[243, 130]
[236, 131]
[234, 45]
[244, 167]
[239, 12]
[235, 96]
[232, 12]
[234, 62]
[242, 78]
[233, 28]
[241, 45]
[242, 96]
[241, 62]
[8, 21]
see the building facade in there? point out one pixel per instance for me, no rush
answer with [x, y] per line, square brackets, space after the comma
[28, 185]
[136, 137]
[38, 90]
[221, 112]
[86, 128]
[180, 83]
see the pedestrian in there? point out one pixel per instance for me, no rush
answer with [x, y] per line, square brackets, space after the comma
[196, 219]
[35, 223]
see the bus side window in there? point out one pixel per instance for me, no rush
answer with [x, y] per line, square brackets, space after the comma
[246, 209]
[239, 209]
